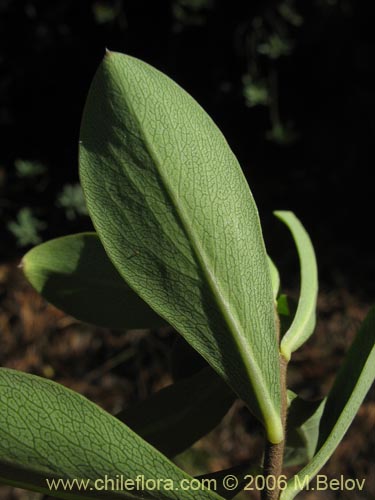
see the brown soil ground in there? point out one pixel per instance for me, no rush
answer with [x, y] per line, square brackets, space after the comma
[115, 370]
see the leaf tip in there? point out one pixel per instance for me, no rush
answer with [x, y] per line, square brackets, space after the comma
[23, 263]
[281, 214]
[26, 265]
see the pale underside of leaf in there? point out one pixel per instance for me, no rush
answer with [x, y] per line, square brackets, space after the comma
[49, 431]
[176, 217]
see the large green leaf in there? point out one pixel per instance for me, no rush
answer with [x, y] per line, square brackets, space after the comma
[75, 274]
[351, 386]
[49, 431]
[303, 323]
[176, 217]
[175, 417]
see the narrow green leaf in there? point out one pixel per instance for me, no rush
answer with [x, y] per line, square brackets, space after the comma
[304, 320]
[49, 431]
[75, 274]
[350, 388]
[177, 416]
[176, 217]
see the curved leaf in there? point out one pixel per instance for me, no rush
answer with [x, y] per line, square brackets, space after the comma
[351, 386]
[75, 275]
[176, 217]
[304, 320]
[49, 431]
[174, 418]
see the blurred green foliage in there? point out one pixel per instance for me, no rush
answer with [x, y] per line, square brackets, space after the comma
[26, 228]
[71, 199]
[30, 180]
[29, 168]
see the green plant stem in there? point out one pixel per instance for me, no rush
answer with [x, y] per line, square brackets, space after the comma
[274, 453]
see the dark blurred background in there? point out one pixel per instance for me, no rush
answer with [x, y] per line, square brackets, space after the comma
[290, 83]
